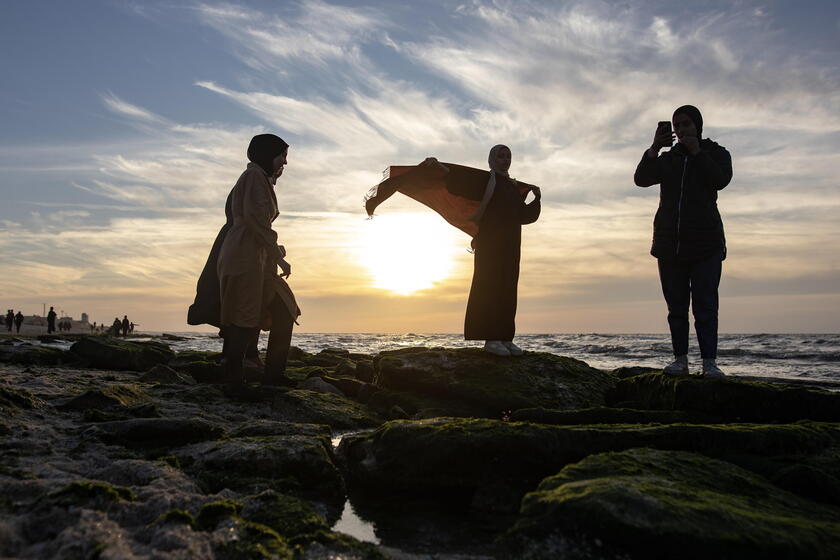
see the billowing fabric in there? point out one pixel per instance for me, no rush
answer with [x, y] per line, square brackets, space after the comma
[264, 148]
[453, 191]
[687, 225]
[248, 257]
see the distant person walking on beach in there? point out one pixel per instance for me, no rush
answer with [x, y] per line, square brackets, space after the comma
[125, 325]
[18, 321]
[51, 315]
[489, 206]
[10, 320]
[688, 238]
[116, 327]
[131, 328]
[252, 296]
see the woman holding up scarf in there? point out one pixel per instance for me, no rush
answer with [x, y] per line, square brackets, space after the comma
[489, 206]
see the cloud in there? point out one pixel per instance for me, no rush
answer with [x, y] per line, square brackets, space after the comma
[575, 88]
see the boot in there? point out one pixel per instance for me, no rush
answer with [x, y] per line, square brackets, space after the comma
[710, 368]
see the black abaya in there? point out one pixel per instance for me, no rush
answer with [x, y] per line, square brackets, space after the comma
[491, 309]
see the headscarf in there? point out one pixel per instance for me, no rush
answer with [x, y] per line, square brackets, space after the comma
[491, 183]
[264, 148]
[695, 116]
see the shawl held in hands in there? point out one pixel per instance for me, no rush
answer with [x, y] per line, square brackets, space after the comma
[453, 191]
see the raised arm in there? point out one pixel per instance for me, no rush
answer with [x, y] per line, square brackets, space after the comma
[647, 172]
[531, 211]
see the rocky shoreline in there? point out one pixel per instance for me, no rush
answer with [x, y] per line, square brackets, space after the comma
[127, 449]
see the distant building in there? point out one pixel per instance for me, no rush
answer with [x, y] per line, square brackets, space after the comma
[85, 318]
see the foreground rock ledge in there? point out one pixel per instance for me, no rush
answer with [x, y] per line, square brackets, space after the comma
[646, 503]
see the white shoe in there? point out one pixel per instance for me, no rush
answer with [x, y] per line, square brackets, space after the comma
[678, 367]
[710, 369]
[496, 347]
[513, 349]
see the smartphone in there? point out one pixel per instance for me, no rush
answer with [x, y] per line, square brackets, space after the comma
[665, 125]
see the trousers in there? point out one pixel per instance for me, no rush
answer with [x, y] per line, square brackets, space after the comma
[695, 283]
[240, 342]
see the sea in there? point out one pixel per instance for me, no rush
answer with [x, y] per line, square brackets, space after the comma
[792, 356]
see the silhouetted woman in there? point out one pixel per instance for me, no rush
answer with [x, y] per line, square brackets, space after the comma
[491, 309]
[252, 295]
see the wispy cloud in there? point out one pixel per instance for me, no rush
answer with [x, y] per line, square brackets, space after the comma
[575, 88]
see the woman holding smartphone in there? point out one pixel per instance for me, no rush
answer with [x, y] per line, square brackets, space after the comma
[688, 238]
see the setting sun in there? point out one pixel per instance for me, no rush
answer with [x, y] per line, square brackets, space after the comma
[405, 253]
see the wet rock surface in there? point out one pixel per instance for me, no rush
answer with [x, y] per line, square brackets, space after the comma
[690, 505]
[121, 449]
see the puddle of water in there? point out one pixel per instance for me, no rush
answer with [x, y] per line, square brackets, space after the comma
[353, 525]
[350, 523]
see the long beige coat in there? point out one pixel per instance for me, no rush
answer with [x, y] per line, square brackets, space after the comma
[247, 265]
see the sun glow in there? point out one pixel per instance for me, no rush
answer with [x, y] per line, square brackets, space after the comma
[405, 253]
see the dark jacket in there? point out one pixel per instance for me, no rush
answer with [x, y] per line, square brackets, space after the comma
[687, 224]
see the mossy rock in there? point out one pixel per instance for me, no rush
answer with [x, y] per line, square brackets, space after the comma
[35, 355]
[289, 464]
[13, 399]
[154, 433]
[254, 542]
[476, 457]
[106, 397]
[728, 399]
[260, 428]
[165, 375]
[204, 367]
[287, 515]
[606, 415]
[90, 494]
[212, 513]
[112, 353]
[469, 381]
[669, 504]
[176, 517]
[328, 545]
[336, 411]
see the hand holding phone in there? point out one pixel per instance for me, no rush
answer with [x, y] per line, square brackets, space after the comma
[663, 137]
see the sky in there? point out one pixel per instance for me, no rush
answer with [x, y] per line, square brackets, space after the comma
[124, 125]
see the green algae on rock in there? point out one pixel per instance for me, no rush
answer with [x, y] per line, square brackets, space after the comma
[287, 515]
[90, 494]
[296, 464]
[34, 355]
[470, 382]
[16, 398]
[669, 504]
[466, 456]
[106, 397]
[154, 433]
[336, 411]
[605, 415]
[112, 353]
[212, 513]
[728, 399]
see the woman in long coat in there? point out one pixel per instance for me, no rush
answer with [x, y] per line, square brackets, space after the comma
[252, 295]
[491, 309]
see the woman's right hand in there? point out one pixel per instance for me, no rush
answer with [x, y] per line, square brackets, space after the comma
[285, 267]
[662, 138]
